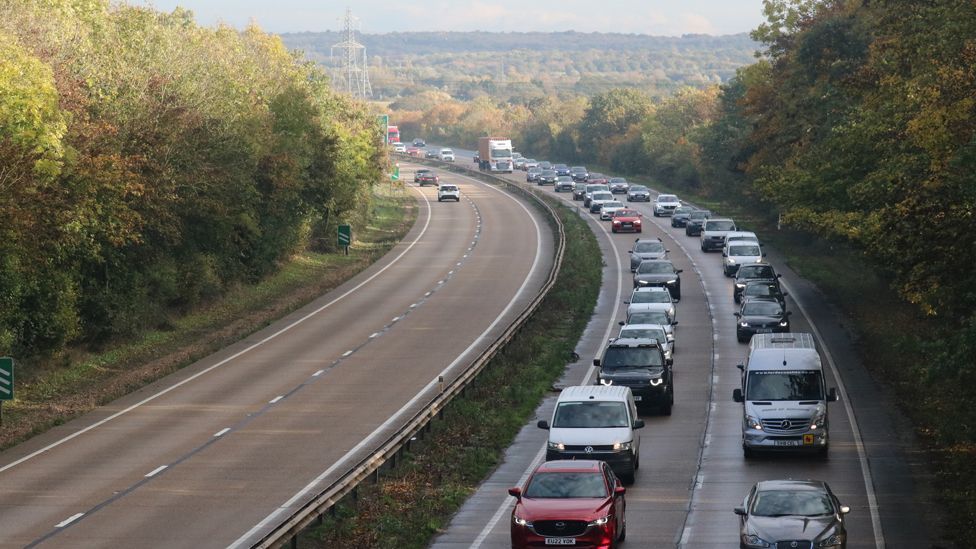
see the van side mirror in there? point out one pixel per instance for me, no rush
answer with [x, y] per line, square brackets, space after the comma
[638, 424]
[789, 313]
[832, 395]
[669, 361]
[619, 490]
[679, 271]
[675, 323]
[786, 294]
[724, 254]
[741, 367]
[737, 395]
[596, 361]
[779, 276]
[543, 424]
[626, 303]
[844, 509]
[515, 492]
[737, 315]
[738, 510]
[622, 323]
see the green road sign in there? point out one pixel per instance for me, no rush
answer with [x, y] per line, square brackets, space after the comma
[395, 176]
[345, 235]
[6, 378]
[385, 123]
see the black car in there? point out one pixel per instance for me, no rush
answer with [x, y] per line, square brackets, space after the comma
[693, 226]
[680, 216]
[547, 177]
[753, 272]
[579, 173]
[579, 191]
[640, 365]
[419, 143]
[562, 169]
[431, 154]
[805, 513]
[760, 288]
[658, 272]
[760, 315]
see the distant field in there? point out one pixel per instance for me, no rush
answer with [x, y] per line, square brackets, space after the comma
[469, 64]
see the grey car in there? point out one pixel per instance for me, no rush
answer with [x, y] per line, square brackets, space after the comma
[646, 248]
[638, 193]
[696, 219]
[533, 174]
[792, 513]
[659, 272]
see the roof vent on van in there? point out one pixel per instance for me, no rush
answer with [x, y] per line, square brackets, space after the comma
[782, 339]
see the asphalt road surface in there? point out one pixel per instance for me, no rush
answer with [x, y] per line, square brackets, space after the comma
[217, 453]
[692, 470]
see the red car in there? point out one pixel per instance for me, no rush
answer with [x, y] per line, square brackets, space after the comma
[424, 176]
[626, 220]
[578, 503]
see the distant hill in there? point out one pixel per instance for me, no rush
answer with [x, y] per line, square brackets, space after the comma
[468, 64]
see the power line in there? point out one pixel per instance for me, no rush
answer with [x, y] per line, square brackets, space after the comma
[351, 75]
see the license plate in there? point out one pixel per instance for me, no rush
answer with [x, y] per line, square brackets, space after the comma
[560, 541]
[764, 330]
[786, 442]
[637, 398]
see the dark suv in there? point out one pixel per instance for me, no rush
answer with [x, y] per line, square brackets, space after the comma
[640, 365]
[693, 225]
[753, 272]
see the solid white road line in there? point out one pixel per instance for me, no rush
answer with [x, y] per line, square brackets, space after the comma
[286, 507]
[247, 349]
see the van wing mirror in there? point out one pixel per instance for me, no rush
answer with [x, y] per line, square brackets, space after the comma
[738, 510]
[741, 367]
[543, 424]
[638, 424]
[832, 395]
[619, 490]
[596, 361]
[737, 395]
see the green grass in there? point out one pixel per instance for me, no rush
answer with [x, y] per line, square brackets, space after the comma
[413, 502]
[53, 391]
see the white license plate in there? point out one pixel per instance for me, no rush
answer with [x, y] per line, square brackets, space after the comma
[764, 330]
[560, 541]
[637, 398]
[787, 442]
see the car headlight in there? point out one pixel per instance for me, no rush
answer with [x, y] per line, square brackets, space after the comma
[671, 282]
[670, 336]
[643, 282]
[744, 324]
[740, 285]
[731, 261]
[818, 420]
[656, 382]
[622, 445]
[600, 521]
[754, 423]
[835, 540]
[784, 323]
[556, 446]
[637, 222]
[521, 521]
[753, 540]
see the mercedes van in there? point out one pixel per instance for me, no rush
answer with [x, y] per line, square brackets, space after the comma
[596, 422]
[784, 396]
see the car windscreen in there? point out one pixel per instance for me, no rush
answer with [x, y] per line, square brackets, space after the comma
[617, 180]
[791, 503]
[667, 198]
[449, 188]
[549, 173]
[602, 196]
[644, 333]
[649, 248]
[501, 153]
[651, 297]
[653, 267]
[590, 414]
[756, 271]
[638, 188]
[761, 308]
[720, 226]
[698, 215]
[613, 204]
[784, 385]
[631, 357]
[649, 317]
[744, 250]
[753, 290]
[626, 213]
[566, 485]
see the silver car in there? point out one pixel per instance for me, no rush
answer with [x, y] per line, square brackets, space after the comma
[792, 513]
[646, 248]
[649, 331]
[652, 298]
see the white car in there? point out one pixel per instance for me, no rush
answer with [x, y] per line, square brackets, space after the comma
[448, 191]
[400, 147]
[651, 298]
[738, 253]
[607, 209]
[598, 199]
[665, 204]
[446, 155]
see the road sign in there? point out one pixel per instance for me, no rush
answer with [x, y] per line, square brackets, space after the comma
[6, 378]
[395, 176]
[385, 124]
[345, 235]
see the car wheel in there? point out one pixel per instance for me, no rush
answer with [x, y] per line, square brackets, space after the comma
[824, 453]
[623, 532]
[666, 407]
[613, 230]
[748, 453]
[638, 230]
[741, 339]
[702, 246]
[627, 478]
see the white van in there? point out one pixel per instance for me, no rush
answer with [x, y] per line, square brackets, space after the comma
[784, 396]
[446, 155]
[596, 422]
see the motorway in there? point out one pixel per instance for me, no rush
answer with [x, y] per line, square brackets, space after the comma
[223, 450]
[692, 469]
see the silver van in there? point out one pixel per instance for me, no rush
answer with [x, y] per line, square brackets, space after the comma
[784, 396]
[596, 422]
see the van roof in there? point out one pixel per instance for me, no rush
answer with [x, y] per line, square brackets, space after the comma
[594, 392]
[789, 351]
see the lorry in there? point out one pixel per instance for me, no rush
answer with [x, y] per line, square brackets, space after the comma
[495, 154]
[392, 134]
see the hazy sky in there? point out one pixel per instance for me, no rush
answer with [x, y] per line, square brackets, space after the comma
[657, 17]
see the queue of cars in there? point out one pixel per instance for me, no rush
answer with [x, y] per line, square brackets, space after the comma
[577, 497]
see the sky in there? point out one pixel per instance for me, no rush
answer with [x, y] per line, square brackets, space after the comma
[655, 17]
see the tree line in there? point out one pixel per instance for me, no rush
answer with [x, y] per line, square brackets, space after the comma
[148, 163]
[856, 124]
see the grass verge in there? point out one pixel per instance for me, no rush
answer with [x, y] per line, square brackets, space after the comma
[53, 392]
[411, 503]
